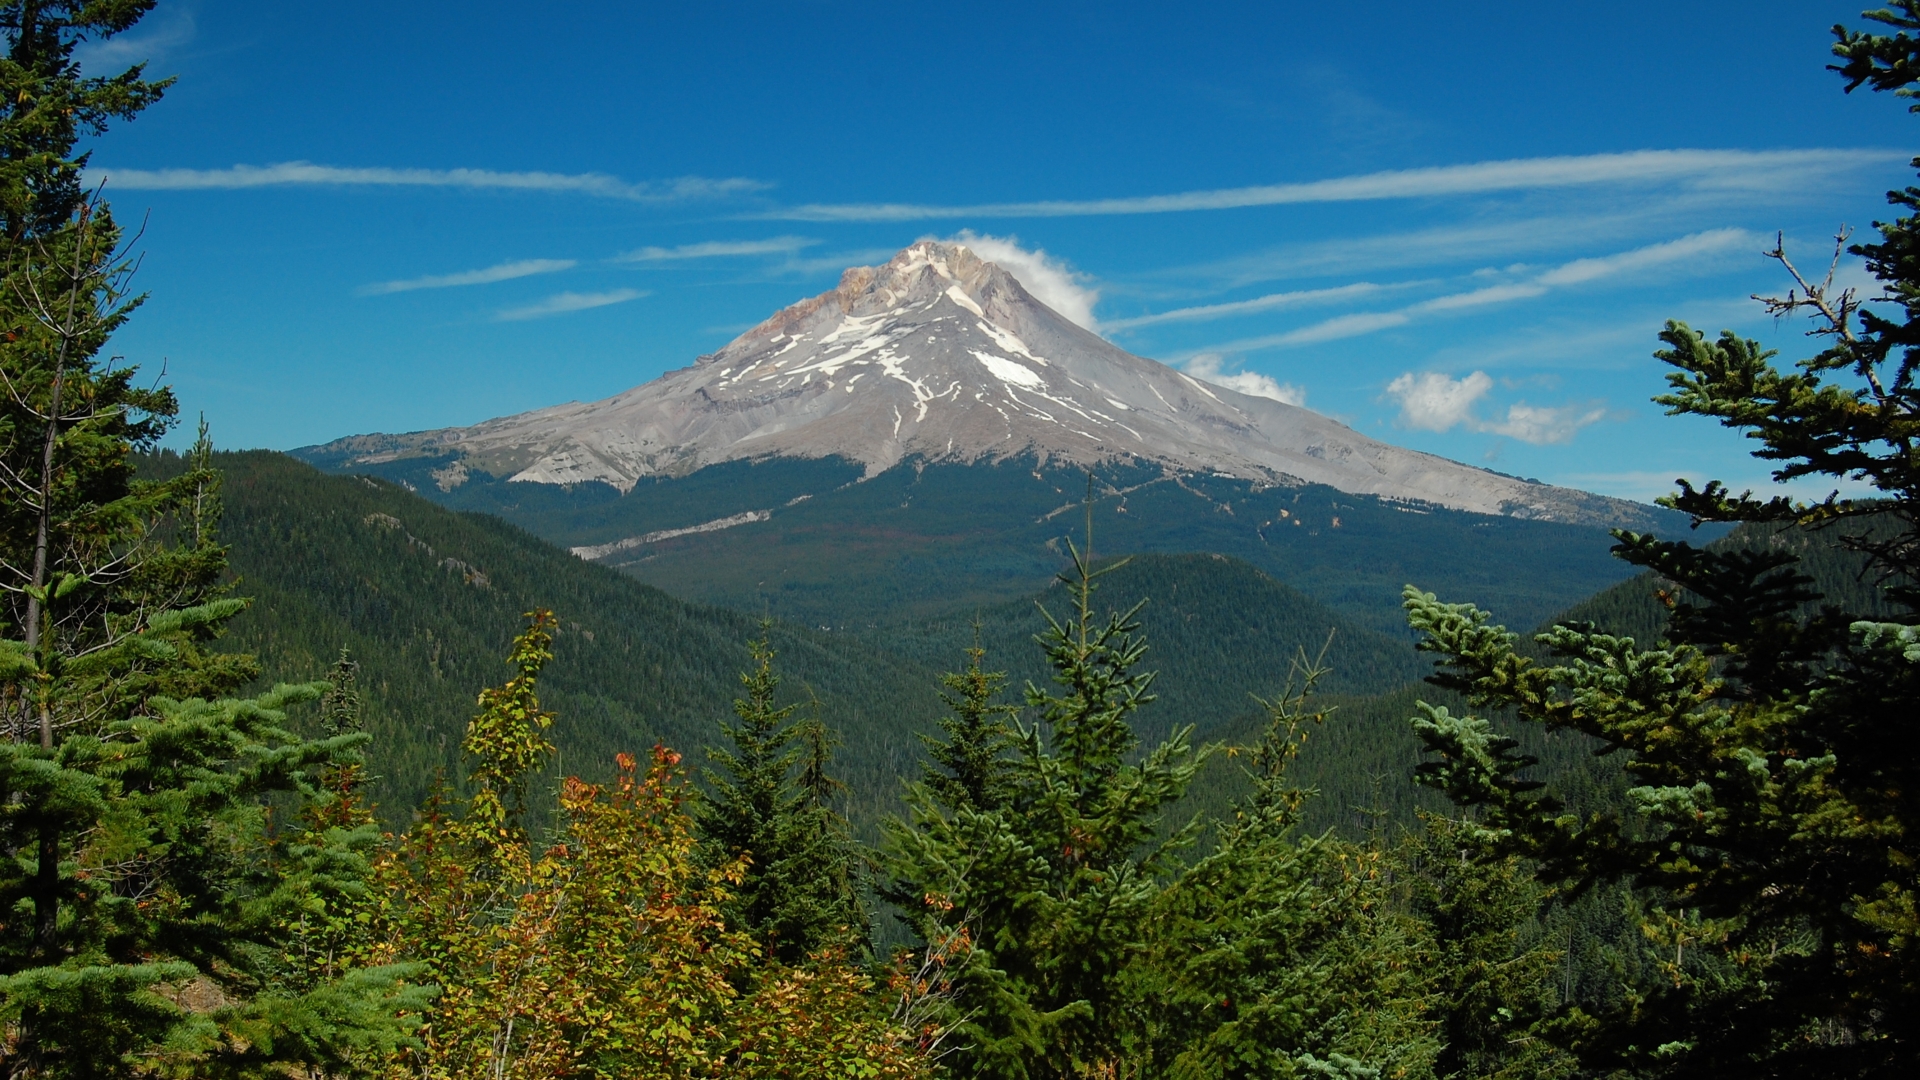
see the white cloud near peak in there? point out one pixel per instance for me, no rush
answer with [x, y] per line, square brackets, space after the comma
[568, 302]
[1209, 367]
[1431, 401]
[506, 271]
[1434, 401]
[1051, 281]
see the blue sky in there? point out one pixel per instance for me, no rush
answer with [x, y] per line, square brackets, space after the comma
[1456, 227]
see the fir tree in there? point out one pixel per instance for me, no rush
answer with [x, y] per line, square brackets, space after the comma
[1770, 841]
[340, 705]
[969, 767]
[799, 895]
[1284, 955]
[1494, 989]
[146, 917]
[1038, 904]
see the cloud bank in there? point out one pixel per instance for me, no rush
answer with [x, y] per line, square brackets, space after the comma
[506, 271]
[1751, 170]
[567, 302]
[1050, 280]
[1432, 401]
[305, 173]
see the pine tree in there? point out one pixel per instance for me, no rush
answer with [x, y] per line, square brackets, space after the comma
[969, 767]
[1037, 905]
[145, 915]
[1493, 989]
[1284, 955]
[800, 894]
[1771, 842]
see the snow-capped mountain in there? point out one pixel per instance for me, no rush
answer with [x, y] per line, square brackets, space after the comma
[941, 356]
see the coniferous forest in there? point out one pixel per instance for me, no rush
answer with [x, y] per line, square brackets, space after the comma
[284, 792]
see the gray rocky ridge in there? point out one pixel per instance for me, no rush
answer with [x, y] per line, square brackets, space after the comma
[941, 356]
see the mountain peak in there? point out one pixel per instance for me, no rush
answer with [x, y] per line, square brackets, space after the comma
[920, 274]
[940, 355]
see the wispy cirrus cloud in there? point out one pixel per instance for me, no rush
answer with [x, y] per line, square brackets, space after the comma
[506, 271]
[718, 249]
[306, 173]
[153, 40]
[1578, 272]
[568, 302]
[1753, 170]
[1271, 302]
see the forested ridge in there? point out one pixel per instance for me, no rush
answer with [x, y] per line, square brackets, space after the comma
[273, 806]
[841, 549]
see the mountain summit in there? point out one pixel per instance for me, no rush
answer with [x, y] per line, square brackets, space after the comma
[941, 356]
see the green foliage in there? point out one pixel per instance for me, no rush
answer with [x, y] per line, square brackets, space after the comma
[1495, 989]
[969, 768]
[941, 540]
[769, 803]
[1767, 845]
[1283, 955]
[150, 911]
[1052, 888]
[609, 953]
[340, 705]
[506, 740]
[50, 104]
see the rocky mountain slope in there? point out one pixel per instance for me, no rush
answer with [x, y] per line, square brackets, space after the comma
[941, 357]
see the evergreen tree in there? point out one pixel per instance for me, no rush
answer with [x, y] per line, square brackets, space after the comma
[145, 916]
[1493, 989]
[1770, 845]
[799, 895]
[969, 767]
[50, 104]
[1037, 905]
[1280, 955]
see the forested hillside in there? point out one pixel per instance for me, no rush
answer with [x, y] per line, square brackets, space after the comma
[904, 810]
[426, 599]
[826, 545]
